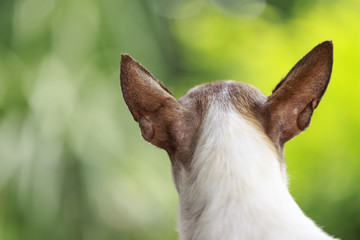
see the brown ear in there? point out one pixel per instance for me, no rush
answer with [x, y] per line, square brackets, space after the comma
[151, 104]
[289, 109]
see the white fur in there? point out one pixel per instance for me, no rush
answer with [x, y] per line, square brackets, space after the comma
[236, 188]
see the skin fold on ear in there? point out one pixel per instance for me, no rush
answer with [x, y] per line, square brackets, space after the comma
[289, 109]
[151, 104]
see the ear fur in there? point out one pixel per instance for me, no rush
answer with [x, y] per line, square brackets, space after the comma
[151, 104]
[289, 109]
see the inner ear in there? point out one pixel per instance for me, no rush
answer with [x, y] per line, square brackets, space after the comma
[304, 117]
[147, 129]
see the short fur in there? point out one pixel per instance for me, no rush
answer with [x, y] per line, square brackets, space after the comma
[225, 142]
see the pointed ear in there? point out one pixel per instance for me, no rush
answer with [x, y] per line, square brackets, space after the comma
[151, 104]
[289, 109]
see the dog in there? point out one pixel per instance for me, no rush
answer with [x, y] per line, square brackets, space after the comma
[225, 142]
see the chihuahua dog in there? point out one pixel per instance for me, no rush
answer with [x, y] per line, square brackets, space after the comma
[225, 142]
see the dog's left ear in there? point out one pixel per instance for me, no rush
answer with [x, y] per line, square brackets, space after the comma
[289, 109]
[159, 114]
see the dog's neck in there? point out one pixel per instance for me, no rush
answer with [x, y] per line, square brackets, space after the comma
[235, 184]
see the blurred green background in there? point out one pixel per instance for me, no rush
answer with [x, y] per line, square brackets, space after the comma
[72, 162]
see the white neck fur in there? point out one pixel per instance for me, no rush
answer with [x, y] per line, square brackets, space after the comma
[236, 188]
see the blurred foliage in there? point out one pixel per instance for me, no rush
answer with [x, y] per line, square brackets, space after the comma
[72, 163]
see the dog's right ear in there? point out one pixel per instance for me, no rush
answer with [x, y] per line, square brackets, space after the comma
[290, 108]
[152, 105]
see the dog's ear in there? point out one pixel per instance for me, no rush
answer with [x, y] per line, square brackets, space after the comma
[289, 109]
[151, 104]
